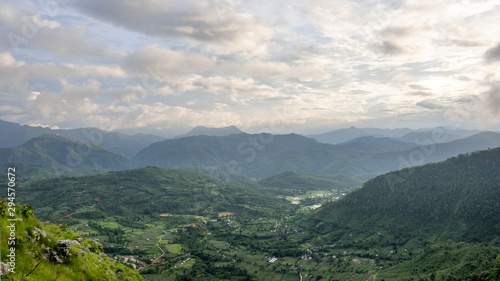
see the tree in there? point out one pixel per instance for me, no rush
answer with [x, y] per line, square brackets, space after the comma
[26, 211]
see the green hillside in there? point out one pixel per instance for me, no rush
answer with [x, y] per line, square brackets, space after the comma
[457, 199]
[45, 252]
[51, 155]
[303, 181]
[449, 261]
[147, 191]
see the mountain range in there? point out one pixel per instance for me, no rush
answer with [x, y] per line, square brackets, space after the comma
[50, 155]
[230, 152]
[264, 155]
[403, 134]
[14, 134]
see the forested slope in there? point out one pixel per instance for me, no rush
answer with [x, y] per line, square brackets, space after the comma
[457, 199]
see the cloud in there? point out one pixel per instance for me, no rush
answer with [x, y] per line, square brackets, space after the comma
[419, 93]
[466, 43]
[11, 110]
[37, 33]
[18, 76]
[218, 28]
[239, 90]
[492, 54]
[163, 63]
[429, 105]
[492, 102]
[391, 48]
[397, 32]
[418, 87]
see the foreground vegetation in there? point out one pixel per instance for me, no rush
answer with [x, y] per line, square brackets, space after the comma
[40, 255]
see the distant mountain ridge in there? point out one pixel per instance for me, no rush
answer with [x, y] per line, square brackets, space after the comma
[404, 134]
[14, 134]
[264, 155]
[347, 134]
[52, 155]
[254, 155]
[220, 152]
[206, 131]
[444, 134]
[430, 152]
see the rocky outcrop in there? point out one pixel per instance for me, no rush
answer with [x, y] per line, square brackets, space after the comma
[55, 258]
[39, 232]
[65, 246]
[4, 268]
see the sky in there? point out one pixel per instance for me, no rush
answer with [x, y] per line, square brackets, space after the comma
[164, 66]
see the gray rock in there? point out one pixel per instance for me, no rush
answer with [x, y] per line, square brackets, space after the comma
[65, 246]
[4, 268]
[55, 258]
[39, 232]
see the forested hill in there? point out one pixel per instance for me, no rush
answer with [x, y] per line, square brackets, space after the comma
[457, 199]
[149, 191]
[52, 155]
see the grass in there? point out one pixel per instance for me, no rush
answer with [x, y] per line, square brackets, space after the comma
[174, 248]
